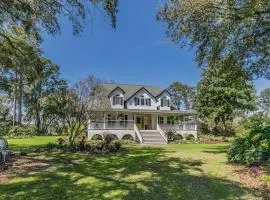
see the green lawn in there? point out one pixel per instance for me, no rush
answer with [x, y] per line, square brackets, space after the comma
[184, 171]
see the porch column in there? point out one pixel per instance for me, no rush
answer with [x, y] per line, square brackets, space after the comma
[157, 119]
[104, 121]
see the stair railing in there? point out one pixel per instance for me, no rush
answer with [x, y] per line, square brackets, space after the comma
[162, 133]
[138, 134]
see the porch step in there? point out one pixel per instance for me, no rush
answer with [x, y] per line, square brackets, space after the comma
[152, 137]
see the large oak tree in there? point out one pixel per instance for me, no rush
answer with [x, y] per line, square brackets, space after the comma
[216, 29]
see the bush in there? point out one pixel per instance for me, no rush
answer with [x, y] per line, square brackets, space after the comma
[170, 135]
[108, 138]
[211, 139]
[253, 122]
[178, 137]
[190, 137]
[173, 136]
[127, 137]
[210, 127]
[110, 145]
[97, 137]
[21, 131]
[52, 146]
[254, 147]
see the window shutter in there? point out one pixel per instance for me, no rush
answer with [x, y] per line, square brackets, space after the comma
[149, 102]
[161, 102]
[113, 100]
[136, 99]
[121, 100]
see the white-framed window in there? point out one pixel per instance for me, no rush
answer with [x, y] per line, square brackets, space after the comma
[148, 102]
[160, 120]
[117, 100]
[142, 101]
[137, 101]
[165, 102]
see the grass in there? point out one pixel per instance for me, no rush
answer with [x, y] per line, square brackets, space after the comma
[27, 144]
[184, 171]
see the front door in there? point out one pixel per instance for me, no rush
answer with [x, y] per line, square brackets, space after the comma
[140, 122]
[144, 122]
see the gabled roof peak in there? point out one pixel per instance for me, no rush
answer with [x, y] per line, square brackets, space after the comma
[130, 89]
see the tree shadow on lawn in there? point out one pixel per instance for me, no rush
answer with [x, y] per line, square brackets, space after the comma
[216, 149]
[143, 173]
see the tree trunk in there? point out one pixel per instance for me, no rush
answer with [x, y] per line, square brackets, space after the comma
[20, 99]
[38, 109]
[14, 109]
[15, 101]
[38, 122]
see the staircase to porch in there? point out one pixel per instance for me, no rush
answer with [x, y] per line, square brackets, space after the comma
[152, 137]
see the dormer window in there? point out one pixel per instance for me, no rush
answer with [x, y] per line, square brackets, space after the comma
[137, 101]
[142, 101]
[148, 102]
[165, 102]
[117, 100]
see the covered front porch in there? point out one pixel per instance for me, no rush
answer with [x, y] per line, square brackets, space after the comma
[147, 127]
[144, 120]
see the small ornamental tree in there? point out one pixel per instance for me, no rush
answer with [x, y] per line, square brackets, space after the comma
[80, 104]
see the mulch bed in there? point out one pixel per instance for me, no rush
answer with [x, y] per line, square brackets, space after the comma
[20, 165]
[250, 177]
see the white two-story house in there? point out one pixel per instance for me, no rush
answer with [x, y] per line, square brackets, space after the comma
[144, 113]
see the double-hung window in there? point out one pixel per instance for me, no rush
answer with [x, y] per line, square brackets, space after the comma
[117, 100]
[148, 102]
[142, 101]
[137, 101]
[165, 102]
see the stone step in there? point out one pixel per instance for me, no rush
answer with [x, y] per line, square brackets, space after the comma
[149, 131]
[146, 135]
[152, 137]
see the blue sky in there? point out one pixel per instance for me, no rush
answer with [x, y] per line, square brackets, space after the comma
[137, 52]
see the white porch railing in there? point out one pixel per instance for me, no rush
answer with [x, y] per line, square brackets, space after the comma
[187, 126]
[138, 134]
[162, 133]
[112, 125]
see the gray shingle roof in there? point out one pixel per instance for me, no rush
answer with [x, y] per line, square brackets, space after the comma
[131, 89]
